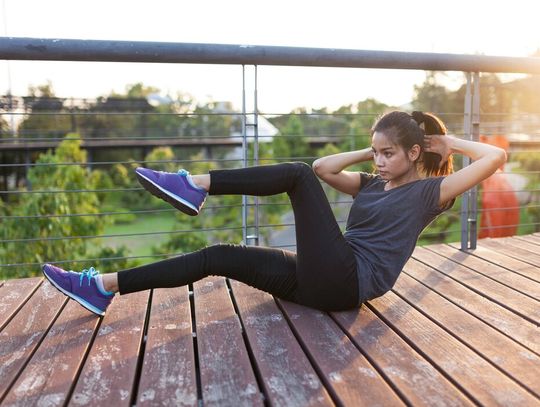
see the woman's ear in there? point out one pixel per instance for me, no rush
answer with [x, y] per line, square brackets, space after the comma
[414, 152]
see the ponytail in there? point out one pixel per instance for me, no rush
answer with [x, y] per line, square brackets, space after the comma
[430, 162]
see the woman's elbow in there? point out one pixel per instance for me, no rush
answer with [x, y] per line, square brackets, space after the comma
[501, 157]
[317, 166]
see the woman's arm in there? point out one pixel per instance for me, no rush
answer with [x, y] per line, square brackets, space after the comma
[330, 170]
[487, 159]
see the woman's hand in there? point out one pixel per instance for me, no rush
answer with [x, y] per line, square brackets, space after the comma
[438, 144]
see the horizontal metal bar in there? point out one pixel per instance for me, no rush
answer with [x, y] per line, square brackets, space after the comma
[45, 49]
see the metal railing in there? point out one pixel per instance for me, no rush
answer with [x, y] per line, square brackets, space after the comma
[119, 51]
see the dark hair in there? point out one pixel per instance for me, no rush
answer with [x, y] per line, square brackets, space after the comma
[406, 130]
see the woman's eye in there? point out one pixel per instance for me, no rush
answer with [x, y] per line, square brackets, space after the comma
[388, 155]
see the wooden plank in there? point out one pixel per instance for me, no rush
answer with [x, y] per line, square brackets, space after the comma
[168, 373]
[49, 376]
[490, 270]
[500, 318]
[511, 250]
[514, 265]
[521, 304]
[398, 361]
[475, 375]
[287, 375]
[108, 374]
[529, 238]
[515, 360]
[340, 363]
[227, 377]
[519, 243]
[13, 294]
[22, 335]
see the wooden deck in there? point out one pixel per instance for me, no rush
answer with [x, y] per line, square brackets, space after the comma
[457, 329]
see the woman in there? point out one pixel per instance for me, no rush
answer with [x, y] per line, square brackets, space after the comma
[331, 270]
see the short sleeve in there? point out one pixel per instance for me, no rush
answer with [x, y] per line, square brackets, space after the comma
[431, 193]
[365, 179]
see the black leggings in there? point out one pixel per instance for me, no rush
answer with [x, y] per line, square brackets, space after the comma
[321, 274]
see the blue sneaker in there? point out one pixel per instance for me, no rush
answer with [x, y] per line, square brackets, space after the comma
[175, 188]
[81, 287]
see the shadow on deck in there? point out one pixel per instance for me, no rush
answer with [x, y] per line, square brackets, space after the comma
[457, 329]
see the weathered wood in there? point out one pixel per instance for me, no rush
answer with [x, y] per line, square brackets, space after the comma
[227, 377]
[500, 318]
[50, 374]
[108, 375]
[521, 304]
[168, 373]
[350, 377]
[516, 252]
[287, 375]
[529, 238]
[513, 265]
[22, 335]
[515, 360]
[490, 270]
[520, 243]
[475, 375]
[13, 294]
[420, 383]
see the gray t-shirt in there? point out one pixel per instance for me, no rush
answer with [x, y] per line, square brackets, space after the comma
[383, 228]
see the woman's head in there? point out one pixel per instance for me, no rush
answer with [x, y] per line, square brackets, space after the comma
[406, 132]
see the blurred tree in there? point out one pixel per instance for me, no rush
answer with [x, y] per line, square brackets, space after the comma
[57, 178]
[44, 114]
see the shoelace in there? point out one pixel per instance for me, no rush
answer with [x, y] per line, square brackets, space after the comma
[88, 273]
[183, 172]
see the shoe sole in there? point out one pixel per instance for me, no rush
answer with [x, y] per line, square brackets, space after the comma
[80, 300]
[174, 200]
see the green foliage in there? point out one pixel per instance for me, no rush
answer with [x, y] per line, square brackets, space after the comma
[55, 178]
[291, 142]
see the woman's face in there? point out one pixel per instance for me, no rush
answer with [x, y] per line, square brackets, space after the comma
[391, 160]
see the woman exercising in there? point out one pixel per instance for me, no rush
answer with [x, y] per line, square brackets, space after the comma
[331, 271]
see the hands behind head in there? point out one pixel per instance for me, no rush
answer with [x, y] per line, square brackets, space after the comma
[438, 144]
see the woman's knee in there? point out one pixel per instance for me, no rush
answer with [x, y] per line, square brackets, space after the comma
[301, 170]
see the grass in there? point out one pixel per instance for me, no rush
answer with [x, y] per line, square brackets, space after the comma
[141, 245]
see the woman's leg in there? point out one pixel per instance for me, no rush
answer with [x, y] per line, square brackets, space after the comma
[271, 270]
[325, 263]
[323, 272]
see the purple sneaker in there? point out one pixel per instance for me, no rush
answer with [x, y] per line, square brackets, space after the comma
[81, 287]
[175, 188]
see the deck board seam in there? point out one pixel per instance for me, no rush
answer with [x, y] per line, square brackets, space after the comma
[478, 292]
[36, 347]
[470, 313]
[141, 352]
[481, 273]
[327, 385]
[429, 360]
[465, 343]
[253, 360]
[373, 363]
[82, 363]
[22, 304]
[196, 366]
[479, 256]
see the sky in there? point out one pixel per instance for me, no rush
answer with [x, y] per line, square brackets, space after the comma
[457, 26]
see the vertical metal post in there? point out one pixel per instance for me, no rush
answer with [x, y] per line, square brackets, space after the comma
[256, 152]
[473, 202]
[244, 154]
[471, 127]
[466, 161]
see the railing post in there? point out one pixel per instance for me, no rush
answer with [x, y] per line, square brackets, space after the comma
[471, 129]
[473, 202]
[244, 154]
[245, 150]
